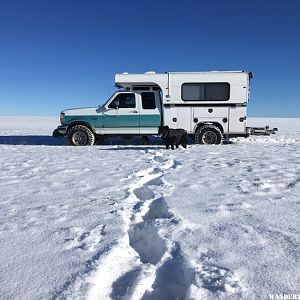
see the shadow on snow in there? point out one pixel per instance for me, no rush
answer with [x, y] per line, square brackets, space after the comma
[48, 140]
[32, 140]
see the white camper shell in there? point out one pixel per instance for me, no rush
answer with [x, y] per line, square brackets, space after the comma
[192, 99]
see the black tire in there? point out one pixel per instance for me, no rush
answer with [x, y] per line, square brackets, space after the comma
[80, 135]
[208, 135]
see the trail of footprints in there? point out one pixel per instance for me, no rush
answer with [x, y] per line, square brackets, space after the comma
[147, 265]
[167, 270]
[171, 276]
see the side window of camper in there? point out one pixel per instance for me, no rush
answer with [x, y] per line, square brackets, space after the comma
[126, 100]
[148, 100]
[217, 91]
[211, 91]
[193, 91]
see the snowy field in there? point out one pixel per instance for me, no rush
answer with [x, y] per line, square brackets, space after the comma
[127, 221]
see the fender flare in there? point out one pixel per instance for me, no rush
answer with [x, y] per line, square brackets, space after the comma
[78, 122]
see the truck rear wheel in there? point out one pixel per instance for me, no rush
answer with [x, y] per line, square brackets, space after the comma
[208, 135]
[80, 135]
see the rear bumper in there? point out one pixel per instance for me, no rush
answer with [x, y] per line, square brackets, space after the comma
[261, 130]
[60, 131]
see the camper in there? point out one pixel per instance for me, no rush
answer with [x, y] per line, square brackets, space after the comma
[210, 106]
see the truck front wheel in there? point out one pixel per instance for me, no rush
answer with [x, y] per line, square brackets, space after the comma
[208, 135]
[80, 135]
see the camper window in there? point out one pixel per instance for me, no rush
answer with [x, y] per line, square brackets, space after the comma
[210, 91]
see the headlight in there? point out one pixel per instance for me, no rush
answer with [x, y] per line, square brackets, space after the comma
[62, 118]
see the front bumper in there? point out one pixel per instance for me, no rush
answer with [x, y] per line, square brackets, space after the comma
[60, 131]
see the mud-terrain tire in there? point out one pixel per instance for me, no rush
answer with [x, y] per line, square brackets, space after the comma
[208, 135]
[80, 135]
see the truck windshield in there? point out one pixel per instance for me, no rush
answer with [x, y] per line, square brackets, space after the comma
[108, 99]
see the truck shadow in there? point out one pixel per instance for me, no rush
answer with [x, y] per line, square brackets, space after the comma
[48, 140]
[32, 140]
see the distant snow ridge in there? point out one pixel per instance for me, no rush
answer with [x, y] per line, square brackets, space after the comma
[145, 264]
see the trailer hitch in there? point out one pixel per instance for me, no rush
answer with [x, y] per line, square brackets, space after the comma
[261, 130]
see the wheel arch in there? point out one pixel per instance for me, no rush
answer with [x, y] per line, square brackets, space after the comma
[78, 122]
[199, 125]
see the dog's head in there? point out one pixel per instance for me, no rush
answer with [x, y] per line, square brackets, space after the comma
[163, 131]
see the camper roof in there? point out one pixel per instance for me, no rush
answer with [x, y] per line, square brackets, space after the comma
[162, 79]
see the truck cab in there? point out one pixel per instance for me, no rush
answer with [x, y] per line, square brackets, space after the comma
[131, 112]
[135, 111]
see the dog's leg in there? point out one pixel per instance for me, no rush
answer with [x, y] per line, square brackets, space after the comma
[173, 142]
[177, 146]
[167, 146]
[184, 141]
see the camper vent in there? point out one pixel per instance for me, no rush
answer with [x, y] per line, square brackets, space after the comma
[150, 72]
[141, 88]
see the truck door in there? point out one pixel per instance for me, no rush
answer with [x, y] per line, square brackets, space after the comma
[150, 112]
[122, 115]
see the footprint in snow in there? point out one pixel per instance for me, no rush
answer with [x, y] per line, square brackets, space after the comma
[145, 240]
[143, 193]
[219, 280]
[124, 285]
[173, 278]
[85, 240]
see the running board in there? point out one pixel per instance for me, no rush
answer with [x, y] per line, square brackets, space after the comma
[261, 130]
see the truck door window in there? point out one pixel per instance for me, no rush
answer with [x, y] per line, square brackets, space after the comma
[148, 100]
[126, 100]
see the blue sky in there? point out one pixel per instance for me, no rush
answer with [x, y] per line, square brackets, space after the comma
[64, 53]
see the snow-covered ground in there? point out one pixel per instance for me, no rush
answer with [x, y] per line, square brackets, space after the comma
[127, 221]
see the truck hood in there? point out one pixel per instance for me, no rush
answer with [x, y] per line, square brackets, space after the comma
[82, 111]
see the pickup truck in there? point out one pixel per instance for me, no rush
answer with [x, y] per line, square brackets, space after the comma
[125, 113]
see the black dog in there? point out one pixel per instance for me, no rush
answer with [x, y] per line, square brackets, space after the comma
[173, 137]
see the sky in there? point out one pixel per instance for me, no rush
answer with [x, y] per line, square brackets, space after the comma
[58, 54]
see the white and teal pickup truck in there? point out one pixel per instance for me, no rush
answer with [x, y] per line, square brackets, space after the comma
[210, 106]
[125, 113]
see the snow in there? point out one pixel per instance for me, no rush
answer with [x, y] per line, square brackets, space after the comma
[129, 221]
